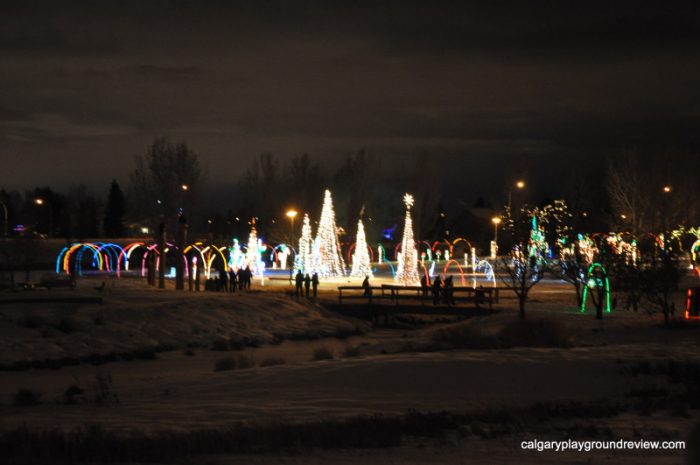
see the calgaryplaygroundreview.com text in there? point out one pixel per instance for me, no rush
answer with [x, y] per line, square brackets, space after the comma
[588, 446]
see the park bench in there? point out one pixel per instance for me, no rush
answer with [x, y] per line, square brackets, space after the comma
[357, 292]
[53, 283]
[478, 295]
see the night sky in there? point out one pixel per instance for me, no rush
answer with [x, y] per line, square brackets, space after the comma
[84, 86]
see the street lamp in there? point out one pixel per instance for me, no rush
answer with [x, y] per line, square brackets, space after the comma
[185, 187]
[292, 214]
[41, 202]
[496, 221]
[4, 208]
[520, 185]
[666, 193]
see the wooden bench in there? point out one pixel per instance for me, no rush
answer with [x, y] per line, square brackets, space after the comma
[355, 295]
[478, 295]
[56, 283]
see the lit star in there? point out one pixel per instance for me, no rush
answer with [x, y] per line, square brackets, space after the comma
[408, 200]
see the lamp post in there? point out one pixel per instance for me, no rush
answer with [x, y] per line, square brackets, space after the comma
[666, 193]
[520, 185]
[291, 214]
[496, 220]
[4, 209]
[41, 202]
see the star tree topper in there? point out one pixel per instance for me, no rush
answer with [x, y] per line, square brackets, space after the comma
[408, 200]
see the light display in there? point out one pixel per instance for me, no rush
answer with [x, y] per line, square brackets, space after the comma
[596, 278]
[326, 258]
[360, 260]
[303, 261]
[253, 256]
[407, 268]
[236, 258]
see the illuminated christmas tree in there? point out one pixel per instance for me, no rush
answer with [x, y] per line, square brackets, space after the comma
[235, 256]
[361, 266]
[253, 257]
[407, 269]
[327, 261]
[303, 258]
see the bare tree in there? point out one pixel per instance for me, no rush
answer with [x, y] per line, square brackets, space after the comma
[165, 180]
[628, 187]
[525, 265]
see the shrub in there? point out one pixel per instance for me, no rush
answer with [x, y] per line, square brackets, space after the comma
[461, 336]
[534, 333]
[322, 353]
[70, 394]
[352, 351]
[234, 363]
[221, 345]
[272, 361]
[26, 397]
[67, 325]
[32, 321]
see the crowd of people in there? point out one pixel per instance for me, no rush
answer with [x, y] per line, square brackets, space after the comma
[442, 289]
[306, 284]
[229, 281]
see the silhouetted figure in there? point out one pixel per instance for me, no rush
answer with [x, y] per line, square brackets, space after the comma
[241, 279]
[437, 284]
[232, 282]
[425, 284]
[366, 286]
[223, 280]
[307, 285]
[299, 283]
[448, 291]
[314, 284]
[248, 277]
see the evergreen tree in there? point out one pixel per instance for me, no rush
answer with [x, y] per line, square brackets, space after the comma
[327, 261]
[361, 266]
[303, 260]
[114, 212]
[407, 268]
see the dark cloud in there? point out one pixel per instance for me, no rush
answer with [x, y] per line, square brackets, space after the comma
[95, 81]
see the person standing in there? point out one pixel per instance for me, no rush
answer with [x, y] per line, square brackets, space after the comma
[314, 283]
[299, 283]
[437, 284]
[366, 286]
[232, 280]
[307, 285]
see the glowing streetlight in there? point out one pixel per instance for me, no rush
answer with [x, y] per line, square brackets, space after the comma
[292, 214]
[41, 202]
[667, 189]
[520, 185]
[185, 187]
[496, 220]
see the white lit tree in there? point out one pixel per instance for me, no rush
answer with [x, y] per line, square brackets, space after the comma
[303, 258]
[253, 256]
[327, 261]
[361, 266]
[407, 268]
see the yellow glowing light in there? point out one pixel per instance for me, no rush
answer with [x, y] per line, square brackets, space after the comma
[185, 187]
[292, 213]
[667, 189]
[39, 201]
[520, 184]
[496, 220]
